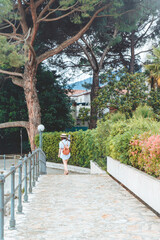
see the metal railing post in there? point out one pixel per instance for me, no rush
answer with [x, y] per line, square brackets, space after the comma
[4, 156]
[36, 165]
[25, 180]
[19, 208]
[30, 174]
[33, 169]
[42, 163]
[2, 180]
[12, 220]
[37, 155]
[39, 159]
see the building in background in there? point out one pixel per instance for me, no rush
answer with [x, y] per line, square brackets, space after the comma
[80, 99]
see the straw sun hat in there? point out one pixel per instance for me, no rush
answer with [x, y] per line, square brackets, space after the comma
[63, 135]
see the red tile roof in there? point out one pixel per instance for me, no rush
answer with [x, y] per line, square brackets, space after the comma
[75, 92]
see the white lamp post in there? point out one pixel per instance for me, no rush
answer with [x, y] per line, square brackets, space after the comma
[40, 130]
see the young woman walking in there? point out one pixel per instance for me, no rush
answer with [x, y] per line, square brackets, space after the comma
[64, 152]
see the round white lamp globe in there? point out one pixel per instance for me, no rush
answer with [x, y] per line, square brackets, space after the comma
[41, 128]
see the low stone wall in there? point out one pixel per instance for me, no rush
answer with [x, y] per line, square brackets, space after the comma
[95, 168]
[141, 184]
[70, 168]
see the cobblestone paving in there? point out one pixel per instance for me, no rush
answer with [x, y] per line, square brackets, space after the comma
[83, 207]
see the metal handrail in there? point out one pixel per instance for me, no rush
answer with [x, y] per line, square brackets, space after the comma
[34, 165]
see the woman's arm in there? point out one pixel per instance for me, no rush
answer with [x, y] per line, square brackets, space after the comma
[59, 153]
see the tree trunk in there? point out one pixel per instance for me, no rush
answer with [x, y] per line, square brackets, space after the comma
[132, 62]
[94, 91]
[32, 102]
[152, 83]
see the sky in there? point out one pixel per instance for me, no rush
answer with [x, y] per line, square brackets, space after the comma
[148, 46]
[81, 76]
[78, 75]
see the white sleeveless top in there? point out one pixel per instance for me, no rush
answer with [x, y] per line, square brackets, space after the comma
[61, 145]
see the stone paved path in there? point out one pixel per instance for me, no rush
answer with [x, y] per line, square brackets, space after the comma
[83, 207]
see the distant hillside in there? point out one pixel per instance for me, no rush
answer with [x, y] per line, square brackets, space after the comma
[78, 85]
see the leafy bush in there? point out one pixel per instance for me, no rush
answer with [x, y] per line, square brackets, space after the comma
[101, 135]
[144, 111]
[118, 116]
[122, 91]
[135, 148]
[121, 133]
[133, 141]
[84, 147]
[154, 101]
[145, 153]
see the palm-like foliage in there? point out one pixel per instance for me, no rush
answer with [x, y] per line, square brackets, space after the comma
[154, 66]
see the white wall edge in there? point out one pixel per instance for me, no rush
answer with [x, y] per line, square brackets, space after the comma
[70, 167]
[141, 184]
[96, 169]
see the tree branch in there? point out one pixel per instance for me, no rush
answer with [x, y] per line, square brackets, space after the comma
[142, 27]
[17, 37]
[12, 25]
[51, 11]
[33, 54]
[23, 17]
[149, 50]
[35, 24]
[94, 60]
[45, 8]
[11, 73]
[144, 32]
[87, 55]
[4, 26]
[125, 62]
[57, 18]
[18, 81]
[39, 2]
[112, 15]
[33, 12]
[15, 124]
[106, 50]
[68, 42]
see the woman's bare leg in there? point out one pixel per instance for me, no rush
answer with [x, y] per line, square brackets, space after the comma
[65, 167]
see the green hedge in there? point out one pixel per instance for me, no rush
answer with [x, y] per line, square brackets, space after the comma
[84, 147]
[116, 132]
[145, 153]
[112, 137]
[121, 133]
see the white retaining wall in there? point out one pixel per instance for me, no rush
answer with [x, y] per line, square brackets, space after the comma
[144, 186]
[95, 169]
[70, 167]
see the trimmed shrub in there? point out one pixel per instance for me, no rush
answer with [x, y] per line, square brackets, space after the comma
[133, 141]
[84, 147]
[145, 153]
[118, 116]
[144, 112]
[121, 133]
